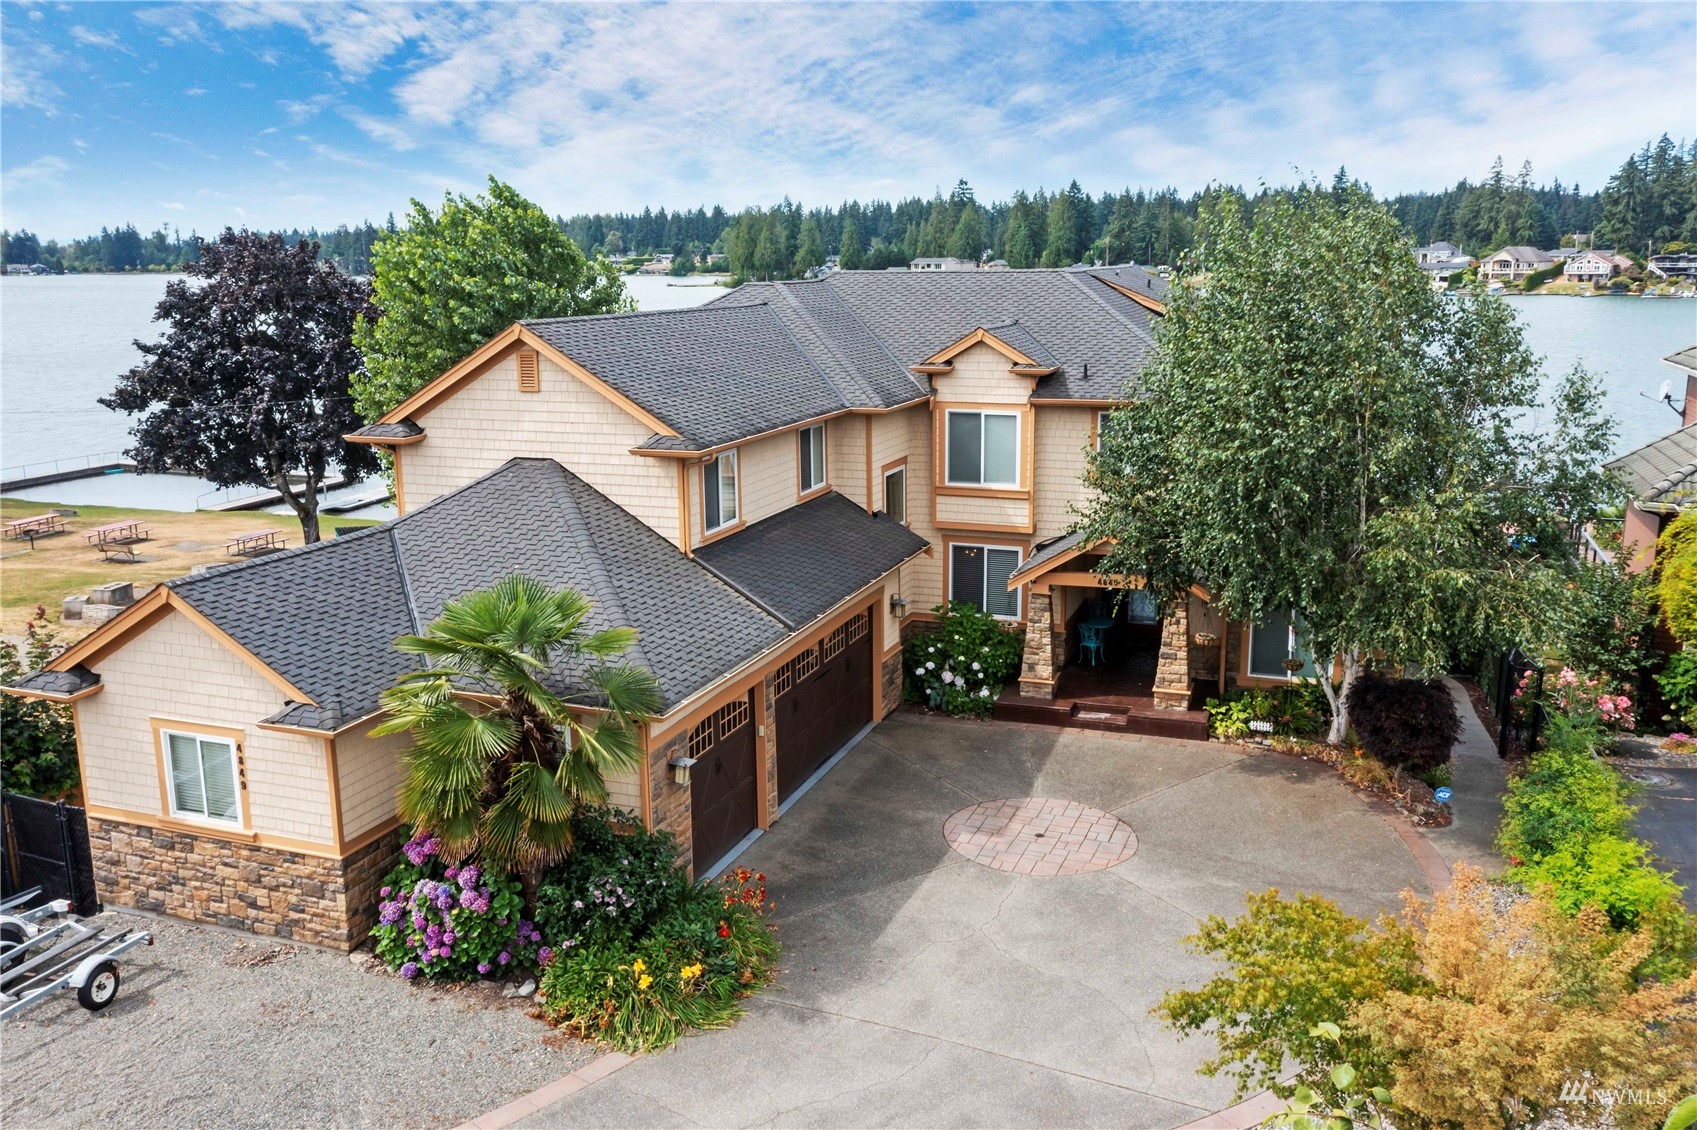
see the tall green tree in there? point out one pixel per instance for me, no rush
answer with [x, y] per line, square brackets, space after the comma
[810, 248]
[1322, 435]
[1061, 250]
[499, 775]
[850, 255]
[452, 279]
[38, 740]
[967, 242]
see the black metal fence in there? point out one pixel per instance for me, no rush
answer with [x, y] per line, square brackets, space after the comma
[46, 845]
[1519, 724]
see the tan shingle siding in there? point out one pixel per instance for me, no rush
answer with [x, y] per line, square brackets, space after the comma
[488, 421]
[371, 773]
[175, 670]
[981, 376]
[1063, 434]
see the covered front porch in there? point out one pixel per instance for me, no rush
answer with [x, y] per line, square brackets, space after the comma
[1098, 657]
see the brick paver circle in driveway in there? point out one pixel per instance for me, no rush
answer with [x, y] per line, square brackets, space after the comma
[1040, 836]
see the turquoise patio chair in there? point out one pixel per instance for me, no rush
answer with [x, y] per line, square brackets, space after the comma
[1090, 638]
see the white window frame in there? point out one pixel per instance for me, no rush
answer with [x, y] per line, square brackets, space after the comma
[815, 454]
[984, 597]
[176, 811]
[982, 414]
[888, 475]
[717, 463]
[1102, 415]
[1291, 652]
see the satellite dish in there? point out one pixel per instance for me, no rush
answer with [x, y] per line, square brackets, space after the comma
[1666, 390]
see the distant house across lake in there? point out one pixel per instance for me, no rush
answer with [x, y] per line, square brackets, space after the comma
[1681, 265]
[1595, 266]
[1511, 264]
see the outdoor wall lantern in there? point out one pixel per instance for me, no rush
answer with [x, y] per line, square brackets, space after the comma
[680, 769]
[898, 604]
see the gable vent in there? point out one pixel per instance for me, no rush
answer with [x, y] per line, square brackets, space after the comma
[530, 377]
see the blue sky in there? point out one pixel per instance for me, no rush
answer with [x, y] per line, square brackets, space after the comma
[285, 114]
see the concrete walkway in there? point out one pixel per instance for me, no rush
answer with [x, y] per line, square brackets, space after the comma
[922, 989]
[1478, 782]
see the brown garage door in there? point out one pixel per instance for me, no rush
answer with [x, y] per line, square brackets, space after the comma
[824, 698]
[722, 783]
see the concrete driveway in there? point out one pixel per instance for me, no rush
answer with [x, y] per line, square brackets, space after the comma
[920, 988]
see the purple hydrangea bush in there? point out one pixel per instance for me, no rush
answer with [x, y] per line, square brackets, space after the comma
[447, 922]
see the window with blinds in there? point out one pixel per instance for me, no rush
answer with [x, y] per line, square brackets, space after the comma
[203, 776]
[811, 442]
[978, 575]
[982, 449]
[530, 374]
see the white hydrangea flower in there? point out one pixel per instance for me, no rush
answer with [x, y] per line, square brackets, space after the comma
[975, 666]
[930, 666]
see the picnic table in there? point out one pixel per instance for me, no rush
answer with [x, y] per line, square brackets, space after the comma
[40, 526]
[127, 532]
[253, 544]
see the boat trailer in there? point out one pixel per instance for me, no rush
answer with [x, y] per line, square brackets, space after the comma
[43, 950]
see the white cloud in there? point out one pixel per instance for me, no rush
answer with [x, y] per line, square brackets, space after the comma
[24, 81]
[41, 172]
[378, 130]
[88, 37]
[194, 91]
[173, 205]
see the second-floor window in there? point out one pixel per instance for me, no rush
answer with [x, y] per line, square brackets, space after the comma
[812, 456]
[719, 492]
[1101, 427]
[895, 494]
[983, 449]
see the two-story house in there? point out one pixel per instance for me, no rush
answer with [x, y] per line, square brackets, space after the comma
[1511, 264]
[771, 489]
[1594, 266]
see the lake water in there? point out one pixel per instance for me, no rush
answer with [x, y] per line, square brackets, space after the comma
[65, 339]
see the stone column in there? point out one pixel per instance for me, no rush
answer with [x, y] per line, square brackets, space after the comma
[1172, 673]
[1037, 669]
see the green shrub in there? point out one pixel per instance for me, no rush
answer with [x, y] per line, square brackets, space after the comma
[1296, 711]
[961, 666]
[1678, 682]
[38, 743]
[1611, 873]
[614, 881]
[452, 922]
[1406, 723]
[1565, 795]
[691, 969]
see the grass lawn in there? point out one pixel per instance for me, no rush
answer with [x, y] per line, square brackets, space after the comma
[66, 565]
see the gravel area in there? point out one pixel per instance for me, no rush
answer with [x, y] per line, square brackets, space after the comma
[218, 1029]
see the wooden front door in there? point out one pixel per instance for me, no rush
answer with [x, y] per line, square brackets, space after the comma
[722, 784]
[824, 698]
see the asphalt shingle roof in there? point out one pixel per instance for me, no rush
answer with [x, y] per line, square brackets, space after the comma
[1662, 471]
[803, 561]
[400, 429]
[58, 683]
[325, 616]
[1686, 358]
[713, 374]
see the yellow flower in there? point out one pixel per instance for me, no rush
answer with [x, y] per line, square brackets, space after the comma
[639, 966]
[645, 982]
[689, 972]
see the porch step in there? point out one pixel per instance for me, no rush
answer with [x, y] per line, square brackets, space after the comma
[1111, 717]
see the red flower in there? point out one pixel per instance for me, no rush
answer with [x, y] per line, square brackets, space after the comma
[724, 930]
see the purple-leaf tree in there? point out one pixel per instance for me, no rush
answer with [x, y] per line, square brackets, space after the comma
[250, 385]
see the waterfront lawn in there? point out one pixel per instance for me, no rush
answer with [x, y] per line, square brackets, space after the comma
[66, 565]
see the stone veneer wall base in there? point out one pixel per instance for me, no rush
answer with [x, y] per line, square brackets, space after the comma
[283, 894]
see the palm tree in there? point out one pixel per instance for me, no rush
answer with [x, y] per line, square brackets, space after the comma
[500, 762]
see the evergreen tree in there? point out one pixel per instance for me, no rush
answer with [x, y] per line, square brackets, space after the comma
[968, 239]
[810, 248]
[848, 247]
[1061, 251]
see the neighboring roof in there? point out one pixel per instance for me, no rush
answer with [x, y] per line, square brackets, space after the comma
[1047, 554]
[803, 561]
[1022, 339]
[1686, 358]
[58, 684]
[1527, 254]
[1133, 277]
[325, 616]
[1662, 473]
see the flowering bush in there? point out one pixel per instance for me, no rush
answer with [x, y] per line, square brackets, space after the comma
[452, 923]
[710, 948]
[1680, 743]
[1585, 700]
[960, 668]
[612, 882]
